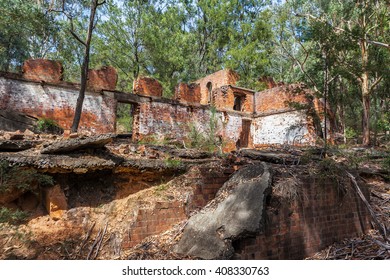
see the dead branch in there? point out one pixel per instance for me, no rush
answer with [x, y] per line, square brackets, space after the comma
[94, 244]
[382, 228]
[86, 239]
[100, 241]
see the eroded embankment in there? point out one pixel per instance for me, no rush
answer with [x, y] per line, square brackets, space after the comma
[144, 202]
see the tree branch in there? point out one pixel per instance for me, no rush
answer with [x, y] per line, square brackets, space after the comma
[375, 83]
[77, 37]
[380, 44]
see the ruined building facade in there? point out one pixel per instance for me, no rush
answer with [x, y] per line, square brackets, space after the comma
[287, 114]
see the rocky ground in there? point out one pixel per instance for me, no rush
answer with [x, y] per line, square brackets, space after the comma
[94, 231]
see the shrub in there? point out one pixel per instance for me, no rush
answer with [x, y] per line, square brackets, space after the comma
[50, 126]
[12, 216]
[16, 177]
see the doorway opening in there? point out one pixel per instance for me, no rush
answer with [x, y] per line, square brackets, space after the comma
[126, 115]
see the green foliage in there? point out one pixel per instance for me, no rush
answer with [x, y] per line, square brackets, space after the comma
[45, 125]
[12, 216]
[206, 139]
[350, 133]
[386, 163]
[172, 162]
[19, 178]
[26, 31]
[124, 118]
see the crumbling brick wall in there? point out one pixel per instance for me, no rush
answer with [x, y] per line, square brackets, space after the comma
[226, 97]
[58, 103]
[147, 86]
[163, 120]
[286, 115]
[283, 98]
[321, 216]
[205, 181]
[188, 93]
[42, 70]
[216, 80]
[154, 221]
[103, 78]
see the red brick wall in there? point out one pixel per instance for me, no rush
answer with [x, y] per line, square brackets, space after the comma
[57, 103]
[300, 229]
[49, 71]
[268, 81]
[204, 181]
[188, 93]
[280, 98]
[217, 79]
[103, 78]
[154, 221]
[223, 99]
[147, 86]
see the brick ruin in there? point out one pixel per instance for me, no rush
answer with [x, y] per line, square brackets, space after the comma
[283, 114]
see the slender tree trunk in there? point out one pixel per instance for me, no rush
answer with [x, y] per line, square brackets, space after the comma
[365, 94]
[84, 68]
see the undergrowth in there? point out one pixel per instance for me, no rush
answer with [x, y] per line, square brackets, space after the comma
[12, 216]
[45, 125]
[19, 178]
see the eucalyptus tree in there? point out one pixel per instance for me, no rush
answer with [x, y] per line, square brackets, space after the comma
[78, 25]
[343, 36]
[26, 31]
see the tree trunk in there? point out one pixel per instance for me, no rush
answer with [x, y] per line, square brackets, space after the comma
[84, 69]
[365, 94]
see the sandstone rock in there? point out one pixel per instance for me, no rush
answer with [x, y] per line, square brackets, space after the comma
[209, 234]
[70, 145]
[55, 202]
[28, 132]
[11, 121]
[49, 71]
[20, 145]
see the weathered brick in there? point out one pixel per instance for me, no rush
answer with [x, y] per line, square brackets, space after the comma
[188, 93]
[45, 70]
[215, 80]
[147, 86]
[104, 78]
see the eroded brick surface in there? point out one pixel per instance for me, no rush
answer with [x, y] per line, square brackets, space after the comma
[103, 78]
[297, 230]
[292, 97]
[188, 93]
[216, 80]
[58, 103]
[49, 71]
[233, 98]
[268, 81]
[147, 86]
[154, 221]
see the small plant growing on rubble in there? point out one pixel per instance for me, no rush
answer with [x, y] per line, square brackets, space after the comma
[171, 162]
[205, 140]
[45, 125]
[16, 177]
[12, 216]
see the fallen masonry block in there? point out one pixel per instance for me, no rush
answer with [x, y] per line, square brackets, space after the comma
[71, 145]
